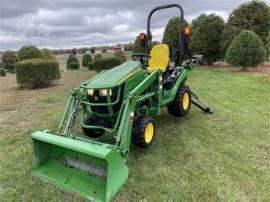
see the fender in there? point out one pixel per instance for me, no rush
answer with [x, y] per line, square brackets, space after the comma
[169, 95]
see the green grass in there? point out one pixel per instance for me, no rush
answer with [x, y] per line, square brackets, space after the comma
[219, 157]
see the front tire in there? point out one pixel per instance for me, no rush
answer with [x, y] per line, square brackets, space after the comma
[181, 103]
[143, 132]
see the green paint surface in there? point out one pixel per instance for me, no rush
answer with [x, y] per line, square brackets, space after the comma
[116, 75]
[92, 170]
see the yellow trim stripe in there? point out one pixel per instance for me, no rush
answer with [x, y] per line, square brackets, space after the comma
[129, 75]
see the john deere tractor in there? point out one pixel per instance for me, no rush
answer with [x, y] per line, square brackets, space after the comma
[122, 102]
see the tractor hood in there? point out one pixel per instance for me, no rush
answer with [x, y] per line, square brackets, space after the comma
[115, 76]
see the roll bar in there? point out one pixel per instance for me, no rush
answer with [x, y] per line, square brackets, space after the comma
[181, 27]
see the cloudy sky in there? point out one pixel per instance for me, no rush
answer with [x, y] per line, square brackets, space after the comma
[80, 23]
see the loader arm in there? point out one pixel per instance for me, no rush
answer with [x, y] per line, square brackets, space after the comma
[70, 113]
[125, 129]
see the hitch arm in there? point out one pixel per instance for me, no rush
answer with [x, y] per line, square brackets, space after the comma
[198, 102]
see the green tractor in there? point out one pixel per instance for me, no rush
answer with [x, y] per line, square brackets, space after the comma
[121, 101]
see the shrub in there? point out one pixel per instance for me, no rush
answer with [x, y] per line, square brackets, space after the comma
[92, 50]
[29, 52]
[121, 55]
[74, 65]
[74, 51]
[9, 58]
[97, 56]
[104, 63]
[73, 59]
[246, 50]
[129, 47]
[86, 59]
[48, 54]
[253, 15]
[103, 50]
[91, 65]
[2, 72]
[206, 35]
[37, 73]
[267, 48]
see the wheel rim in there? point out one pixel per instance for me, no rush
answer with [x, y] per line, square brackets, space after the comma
[149, 132]
[185, 101]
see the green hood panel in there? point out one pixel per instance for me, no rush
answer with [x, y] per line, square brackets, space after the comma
[116, 75]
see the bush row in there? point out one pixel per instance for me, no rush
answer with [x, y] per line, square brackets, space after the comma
[37, 73]
[2, 71]
[9, 59]
[97, 56]
[104, 63]
[26, 52]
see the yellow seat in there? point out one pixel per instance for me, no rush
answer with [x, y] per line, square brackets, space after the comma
[159, 58]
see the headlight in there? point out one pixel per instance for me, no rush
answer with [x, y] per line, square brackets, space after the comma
[103, 92]
[90, 91]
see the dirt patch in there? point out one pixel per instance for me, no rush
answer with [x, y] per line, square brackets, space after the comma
[18, 104]
[5, 115]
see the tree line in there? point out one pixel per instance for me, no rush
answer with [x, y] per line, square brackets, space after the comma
[245, 33]
[244, 40]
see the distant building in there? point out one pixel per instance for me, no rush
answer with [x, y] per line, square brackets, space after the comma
[117, 48]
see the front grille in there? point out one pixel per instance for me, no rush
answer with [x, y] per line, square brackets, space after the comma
[95, 98]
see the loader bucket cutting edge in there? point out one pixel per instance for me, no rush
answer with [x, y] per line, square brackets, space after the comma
[93, 170]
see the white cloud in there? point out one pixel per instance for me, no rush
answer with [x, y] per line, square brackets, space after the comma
[69, 23]
[223, 14]
[121, 28]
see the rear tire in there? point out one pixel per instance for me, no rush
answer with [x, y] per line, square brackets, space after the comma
[181, 103]
[92, 133]
[143, 132]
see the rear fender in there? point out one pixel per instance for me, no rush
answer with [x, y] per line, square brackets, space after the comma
[170, 94]
[180, 81]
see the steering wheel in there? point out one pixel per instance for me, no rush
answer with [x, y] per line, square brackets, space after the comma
[142, 57]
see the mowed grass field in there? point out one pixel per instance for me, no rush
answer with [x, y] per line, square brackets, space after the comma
[219, 157]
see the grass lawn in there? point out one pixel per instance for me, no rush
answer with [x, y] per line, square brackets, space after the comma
[219, 157]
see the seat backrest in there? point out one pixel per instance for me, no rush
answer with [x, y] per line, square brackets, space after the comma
[159, 58]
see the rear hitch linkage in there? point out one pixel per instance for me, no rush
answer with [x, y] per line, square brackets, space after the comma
[198, 102]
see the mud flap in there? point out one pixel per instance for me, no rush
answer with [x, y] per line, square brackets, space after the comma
[91, 169]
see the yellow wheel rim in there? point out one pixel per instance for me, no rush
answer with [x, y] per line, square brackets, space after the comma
[185, 101]
[149, 132]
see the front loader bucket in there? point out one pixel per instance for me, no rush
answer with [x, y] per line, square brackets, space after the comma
[91, 169]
